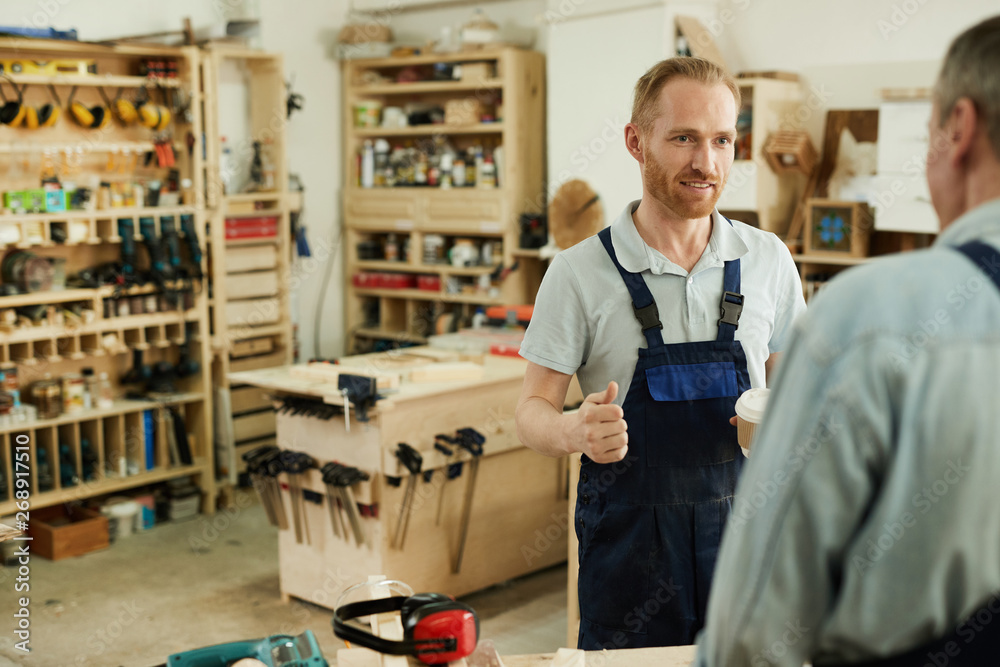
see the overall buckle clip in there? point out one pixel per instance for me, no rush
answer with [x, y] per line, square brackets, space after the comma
[648, 316]
[732, 307]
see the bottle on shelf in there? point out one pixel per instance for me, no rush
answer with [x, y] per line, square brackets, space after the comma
[105, 398]
[368, 165]
[226, 166]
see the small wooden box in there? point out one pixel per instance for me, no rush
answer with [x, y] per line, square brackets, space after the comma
[473, 72]
[837, 228]
[463, 111]
[61, 532]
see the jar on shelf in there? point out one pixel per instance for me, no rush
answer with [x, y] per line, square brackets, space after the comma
[46, 396]
[73, 388]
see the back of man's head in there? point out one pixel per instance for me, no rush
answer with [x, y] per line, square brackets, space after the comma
[972, 69]
[649, 85]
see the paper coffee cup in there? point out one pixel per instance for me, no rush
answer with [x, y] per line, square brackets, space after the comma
[749, 412]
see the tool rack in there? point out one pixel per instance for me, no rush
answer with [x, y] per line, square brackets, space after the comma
[85, 238]
[518, 520]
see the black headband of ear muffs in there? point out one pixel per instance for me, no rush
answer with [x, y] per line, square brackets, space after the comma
[11, 112]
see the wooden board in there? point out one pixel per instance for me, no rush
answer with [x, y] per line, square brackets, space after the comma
[251, 285]
[258, 362]
[251, 346]
[251, 258]
[447, 372]
[253, 312]
[245, 399]
[253, 426]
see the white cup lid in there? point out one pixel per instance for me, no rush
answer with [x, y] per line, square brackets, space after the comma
[751, 404]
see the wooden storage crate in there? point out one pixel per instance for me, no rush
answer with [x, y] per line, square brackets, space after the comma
[63, 531]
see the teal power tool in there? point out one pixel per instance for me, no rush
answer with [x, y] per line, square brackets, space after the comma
[274, 651]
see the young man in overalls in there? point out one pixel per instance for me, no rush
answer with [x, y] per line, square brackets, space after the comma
[666, 317]
[875, 539]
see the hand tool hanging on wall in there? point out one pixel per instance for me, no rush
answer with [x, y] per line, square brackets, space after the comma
[308, 407]
[172, 241]
[186, 366]
[263, 476]
[295, 464]
[159, 270]
[339, 479]
[451, 471]
[126, 230]
[194, 247]
[413, 462]
[471, 441]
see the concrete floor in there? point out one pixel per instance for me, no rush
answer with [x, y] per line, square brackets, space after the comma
[160, 591]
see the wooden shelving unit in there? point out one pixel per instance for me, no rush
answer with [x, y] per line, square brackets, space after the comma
[83, 328]
[753, 187]
[509, 88]
[250, 313]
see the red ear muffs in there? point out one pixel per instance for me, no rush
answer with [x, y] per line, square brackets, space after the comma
[436, 629]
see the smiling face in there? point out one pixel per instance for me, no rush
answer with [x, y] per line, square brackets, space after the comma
[687, 151]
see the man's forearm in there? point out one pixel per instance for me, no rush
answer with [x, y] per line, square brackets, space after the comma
[541, 427]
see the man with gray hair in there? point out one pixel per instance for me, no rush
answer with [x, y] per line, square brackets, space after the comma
[866, 527]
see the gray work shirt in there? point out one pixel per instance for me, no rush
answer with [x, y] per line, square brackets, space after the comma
[866, 522]
[583, 321]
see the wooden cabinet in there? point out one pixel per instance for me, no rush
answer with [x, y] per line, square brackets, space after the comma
[250, 256]
[753, 187]
[401, 220]
[103, 179]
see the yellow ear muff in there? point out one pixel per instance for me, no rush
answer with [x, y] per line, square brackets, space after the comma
[30, 118]
[149, 115]
[12, 113]
[165, 117]
[125, 112]
[95, 117]
[48, 114]
[120, 108]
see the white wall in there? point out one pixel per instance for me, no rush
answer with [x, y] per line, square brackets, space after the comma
[848, 50]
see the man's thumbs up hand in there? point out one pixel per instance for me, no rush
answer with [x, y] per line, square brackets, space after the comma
[598, 428]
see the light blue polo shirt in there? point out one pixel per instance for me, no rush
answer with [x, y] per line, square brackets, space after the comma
[583, 321]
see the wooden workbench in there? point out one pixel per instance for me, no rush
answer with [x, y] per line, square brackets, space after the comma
[670, 656]
[518, 522]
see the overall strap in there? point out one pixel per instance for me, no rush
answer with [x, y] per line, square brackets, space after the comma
[732, 299]
[732, 302]
[642, 299]
[985, 256]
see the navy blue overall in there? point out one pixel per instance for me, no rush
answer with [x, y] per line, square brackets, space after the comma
[976, 640]
[649, 526]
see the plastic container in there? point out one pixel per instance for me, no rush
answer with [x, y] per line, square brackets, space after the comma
[750, 409]
[125, 514]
